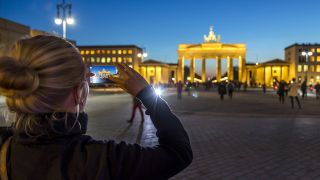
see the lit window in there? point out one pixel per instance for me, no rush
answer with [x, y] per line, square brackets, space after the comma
[92, 52]
[318, 58]
[83, 59]
[299, 68]
[124, 51]
[114, 51]
[312, 58]
[108, 51]
[98, 51]
[119, 51]
[311, 79]
[114, 59]
[119, 59]
[98, 59]
[92, 59]
[318, 68]
[108, 60]
[318, 50]
[313, 50]
[87, 51]
[103, 60]
[103, 51]
[305, 68]
[130, 60]
[130, 51]
[82, 52]
[311, 68]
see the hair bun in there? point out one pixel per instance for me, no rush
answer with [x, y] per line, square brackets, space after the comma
[16, 79]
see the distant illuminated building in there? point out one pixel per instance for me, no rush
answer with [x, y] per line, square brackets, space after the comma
[304, 62]
[211, 48]
[156, 72]
[268, 73]
[11, 31]
[109, 54]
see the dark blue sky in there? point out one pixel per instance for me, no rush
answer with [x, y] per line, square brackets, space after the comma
[265, 26]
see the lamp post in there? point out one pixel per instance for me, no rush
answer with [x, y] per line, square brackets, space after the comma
[306, 54]
[142, 55]
[64, 18]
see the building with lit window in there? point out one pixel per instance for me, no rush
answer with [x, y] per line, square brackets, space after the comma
[108, 54]
[304, 62]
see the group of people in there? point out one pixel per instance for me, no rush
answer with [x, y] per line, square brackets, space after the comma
[292, 90]
[225, 88]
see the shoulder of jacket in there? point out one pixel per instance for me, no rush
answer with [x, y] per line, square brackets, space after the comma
[5, 133]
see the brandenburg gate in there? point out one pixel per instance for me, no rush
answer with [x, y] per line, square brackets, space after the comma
[212, 48]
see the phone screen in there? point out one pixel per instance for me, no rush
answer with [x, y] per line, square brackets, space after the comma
[102, 74]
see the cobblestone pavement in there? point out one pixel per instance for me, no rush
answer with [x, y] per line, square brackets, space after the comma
[251, 136]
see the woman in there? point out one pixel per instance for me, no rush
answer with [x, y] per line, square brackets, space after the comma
[293, 93]
[46, 91]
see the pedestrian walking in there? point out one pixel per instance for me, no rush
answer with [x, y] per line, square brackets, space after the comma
[304, 89]
[280, 91]
[136, 104]
[317, 88]
[245, 86]
[230, 87]
[286, 88]
[45, 84]
[179, 89]
[222, 90]
[264, 88]
[293, 93]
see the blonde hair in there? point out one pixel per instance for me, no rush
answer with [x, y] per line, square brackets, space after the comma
[38, 77]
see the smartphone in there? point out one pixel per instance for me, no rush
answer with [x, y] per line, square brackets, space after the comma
[102, 74]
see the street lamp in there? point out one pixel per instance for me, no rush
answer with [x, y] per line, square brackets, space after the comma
[65, 18]
[306, 54]
[142, 55]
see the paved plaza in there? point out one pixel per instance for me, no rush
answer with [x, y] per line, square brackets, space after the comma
[252, 136]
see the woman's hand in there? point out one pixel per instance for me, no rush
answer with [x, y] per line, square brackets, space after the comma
[129, 80]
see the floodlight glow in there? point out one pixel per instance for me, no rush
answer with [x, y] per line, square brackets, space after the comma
[70, 20]
[139, 54]
[310, 53]
[158, 91]
[145, 54]
[58, 21]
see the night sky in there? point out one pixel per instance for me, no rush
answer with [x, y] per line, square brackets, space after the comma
[265, 26]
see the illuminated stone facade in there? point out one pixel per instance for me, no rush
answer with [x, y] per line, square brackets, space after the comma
[267, 73]
[155, 72]
[304, 67]
[10, 32]
[212, 48]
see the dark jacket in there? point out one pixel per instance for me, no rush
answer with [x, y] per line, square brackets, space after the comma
[222, 89]
[73, 155]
